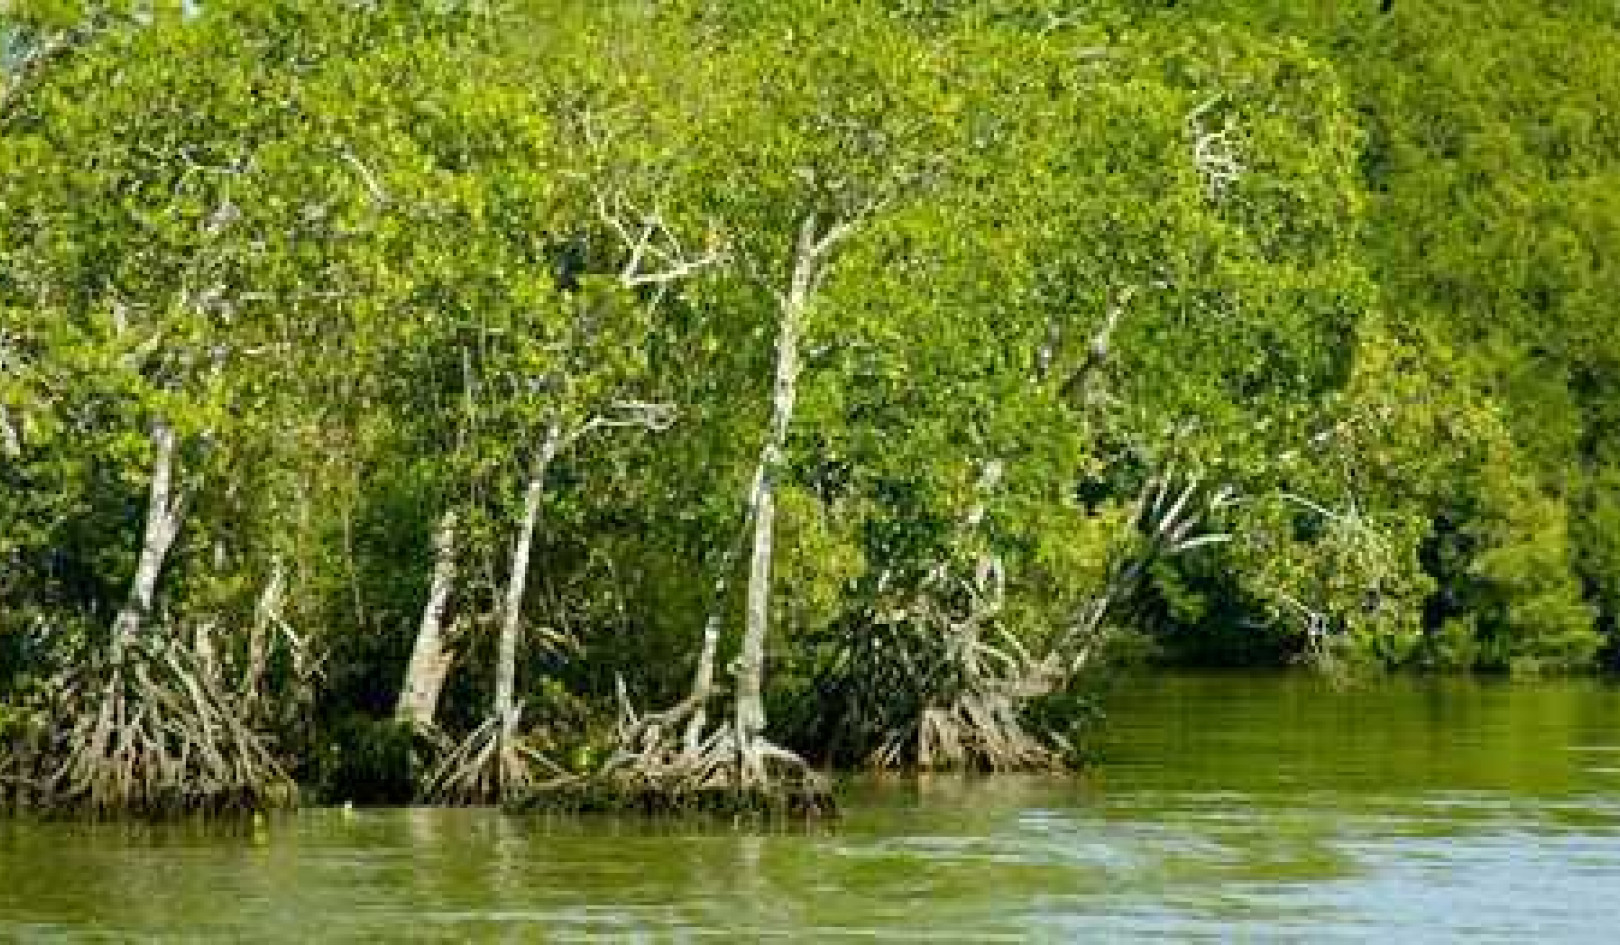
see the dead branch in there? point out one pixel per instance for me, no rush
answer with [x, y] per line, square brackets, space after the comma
[1214, 151]
[655, 255]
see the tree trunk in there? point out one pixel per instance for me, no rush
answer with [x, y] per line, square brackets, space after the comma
[703, 678]
[163, 514]
[265, 617]
[10, 439]
[430, 659]
[512, 607]
[751, 661]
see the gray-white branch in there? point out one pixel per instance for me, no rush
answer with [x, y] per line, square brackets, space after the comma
[656, 256]
[1214, 152]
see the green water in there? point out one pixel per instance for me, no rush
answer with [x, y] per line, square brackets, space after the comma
[1225, 807]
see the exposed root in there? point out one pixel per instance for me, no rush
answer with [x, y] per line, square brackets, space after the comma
[147, 734]
[666, 763]
[965, 681]
[972, 681]
[19, 749]
[492, 765]
[935, 682]
[970, 712]
[981, 730]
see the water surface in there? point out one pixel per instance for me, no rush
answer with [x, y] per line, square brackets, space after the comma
[1224, 807]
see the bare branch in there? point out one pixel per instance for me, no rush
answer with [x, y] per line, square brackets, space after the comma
[1098, 351]
[652, 239]
[1213, 151]
[836, 234]
[676, 272]
[374, 187]
[654, 417]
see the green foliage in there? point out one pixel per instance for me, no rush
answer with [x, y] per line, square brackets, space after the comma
[1342, 276]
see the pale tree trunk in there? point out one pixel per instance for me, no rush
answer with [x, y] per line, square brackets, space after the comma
[490, 762]
[430, 658]
[265, 617]
[751, 659]
[512, 606]
[10, 439]
[807, 266]
[703, 678]
[163, 514]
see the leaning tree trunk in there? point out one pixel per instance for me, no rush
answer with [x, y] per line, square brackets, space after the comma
[697, 701]
[430, 658]
[517, 582]
[152, 731]
[163, 515]
[750, 710]
[490, 764]
[668, 759]
[265, 616]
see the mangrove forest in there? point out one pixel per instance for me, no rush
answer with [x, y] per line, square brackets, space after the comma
[654, 404]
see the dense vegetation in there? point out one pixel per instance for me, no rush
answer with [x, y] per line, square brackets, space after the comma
[453, 401]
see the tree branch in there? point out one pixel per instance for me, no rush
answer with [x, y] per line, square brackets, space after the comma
[10, 438]
[374, 187]
[653, 240]
[32, 69]
[1213, 153]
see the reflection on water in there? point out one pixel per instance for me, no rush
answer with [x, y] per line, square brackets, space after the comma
[1229, 806]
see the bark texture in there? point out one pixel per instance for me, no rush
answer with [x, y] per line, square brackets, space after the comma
[164, 511]
[505, 709]
[491, 763]
[418, 702]
[809, 260]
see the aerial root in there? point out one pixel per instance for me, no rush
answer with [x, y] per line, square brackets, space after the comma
[976, 731]
[492, 765]
[147, 734]
[666, 763]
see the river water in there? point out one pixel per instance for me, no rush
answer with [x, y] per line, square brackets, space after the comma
[1234, 806]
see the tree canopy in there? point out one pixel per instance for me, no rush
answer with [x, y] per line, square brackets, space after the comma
[466, 398]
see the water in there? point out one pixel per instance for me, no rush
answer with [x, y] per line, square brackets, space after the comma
[1226, 807]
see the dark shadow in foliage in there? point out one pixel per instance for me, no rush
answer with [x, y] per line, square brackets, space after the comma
[368, 761]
